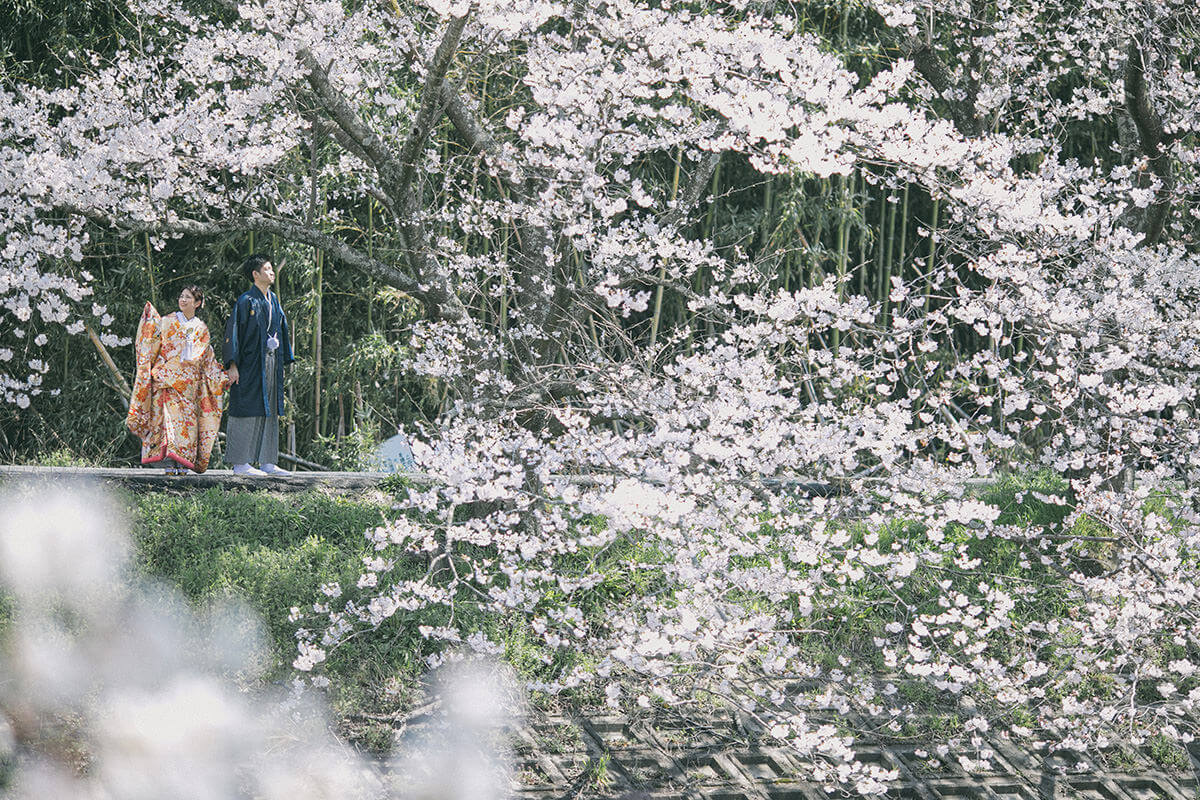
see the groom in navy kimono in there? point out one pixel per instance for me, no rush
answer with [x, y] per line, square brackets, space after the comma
[257, 348]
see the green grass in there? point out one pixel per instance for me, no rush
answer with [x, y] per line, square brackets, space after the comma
[273, 551]
[65, 457]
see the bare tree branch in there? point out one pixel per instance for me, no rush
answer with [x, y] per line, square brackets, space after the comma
[935, 73]
[431, 101]
[295, 232]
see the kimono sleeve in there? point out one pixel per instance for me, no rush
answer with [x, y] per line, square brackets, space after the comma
[229, 348]
[215, 379]
[285, 336]
[235, 332]
[146, 346]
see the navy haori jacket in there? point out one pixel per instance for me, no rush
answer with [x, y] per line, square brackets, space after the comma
[256, 318]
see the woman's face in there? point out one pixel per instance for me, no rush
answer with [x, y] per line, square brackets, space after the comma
[187, 304]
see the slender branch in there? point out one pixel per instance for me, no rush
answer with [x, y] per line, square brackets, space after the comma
[119, 380]
[337, 249]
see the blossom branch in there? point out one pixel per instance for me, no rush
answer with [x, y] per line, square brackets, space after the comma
[535, 279]
[355, 136]
[437, 295]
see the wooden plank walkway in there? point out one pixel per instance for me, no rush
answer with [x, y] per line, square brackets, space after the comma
[153, 478]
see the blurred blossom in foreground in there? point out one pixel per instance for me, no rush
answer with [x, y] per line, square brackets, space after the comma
[455, 754]
[115, 688]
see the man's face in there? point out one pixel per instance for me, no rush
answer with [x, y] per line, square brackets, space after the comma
[265, 273]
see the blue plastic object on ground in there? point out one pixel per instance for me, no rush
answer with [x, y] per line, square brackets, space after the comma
[395, 454]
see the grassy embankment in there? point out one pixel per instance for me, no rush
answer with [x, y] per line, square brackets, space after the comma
[275, 551]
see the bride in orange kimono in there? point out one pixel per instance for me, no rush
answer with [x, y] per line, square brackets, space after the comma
[176, 404]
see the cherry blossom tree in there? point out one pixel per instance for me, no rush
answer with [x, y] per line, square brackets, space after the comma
[781, 461]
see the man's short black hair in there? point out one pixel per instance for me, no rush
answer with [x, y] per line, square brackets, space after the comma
[253, 264]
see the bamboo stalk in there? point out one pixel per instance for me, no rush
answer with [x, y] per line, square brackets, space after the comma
[150, 270]
[325, 401]
[862, 242]
[933, 226]
[847, 190]
[591, 316]
[317, 324]
[319, 263]
[502, 324]
[816, 271]
[698, 284]
[656, 319]
[711, 224]
[885, 277]
[121, 385]
[764, 231]
[370, 254]
[879, 254]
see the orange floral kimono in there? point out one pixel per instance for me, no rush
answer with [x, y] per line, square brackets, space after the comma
[176, 404]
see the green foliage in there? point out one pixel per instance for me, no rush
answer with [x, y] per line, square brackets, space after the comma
[39, 37]
[276, 551]
[1166, 752]
[272, 551]
[1014, 495]
[351, 453]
